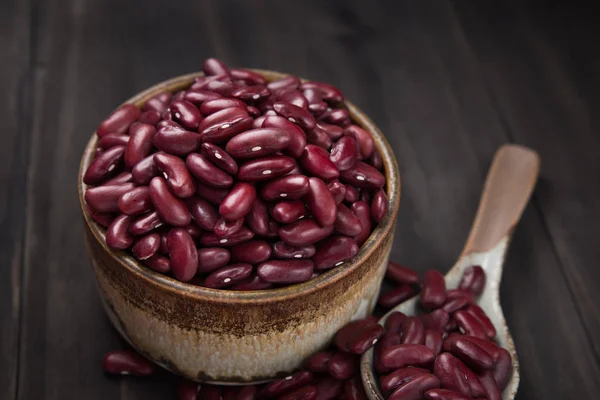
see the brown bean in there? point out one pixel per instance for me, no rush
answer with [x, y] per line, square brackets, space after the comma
[103, 219]
[389, 339]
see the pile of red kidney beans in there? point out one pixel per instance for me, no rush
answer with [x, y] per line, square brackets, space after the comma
[446, 353]
[237, 183]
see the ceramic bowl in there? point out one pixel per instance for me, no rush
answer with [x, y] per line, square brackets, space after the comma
[231, 337]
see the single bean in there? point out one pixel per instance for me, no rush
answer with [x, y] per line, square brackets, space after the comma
[472, 354]
[171, 209]
[434, 341]
[104, 166]
[194, 231]
[294, 97]
[207, 172]
[219, 157]
[338, 191]
[354, 389]
[176, 174]
[344, 153]
[213, 195]
[254, 93]
[252, 251]
[379, 205]
[265, 168]
[396, 296]
[483, 319]
[394, 322]
[492, 391]
[469, 325]
[292, 186]
[285, 385]
[435, 320]
[459, 293]
[126, 362]
[315, 161]
[503, 368]
[199, 96]
[295, 114]
[225, 124]
[119, 120]
[123, 177]
[445, 394]
[346, 333]
[103, 219]
[333, 131]
[258, 121]
[212, 258]
[287, 83]
[186, 114]
[329, 388]
[365, 338]
[257, 143]
[285, 271]
[203, 213]
[211, 240]
[225, 228]
[224, 87]
[473, 280]
[145, 170]
[258, 218]
[317, 363]
[117, 235]
[187, 390]
[321, 202]
[413, 331]
[402, 355]
[176, 141]
[183, 254]
[352, 194]
[213, 66]
[155, 105]
[375, 159]
[337, 116]
[329, 92]
[415, 389]
[361, 210]
[346, 222]
[212, 106]
[304, 393]
[140, 144]
[105, 199]
[449, 370]
[210, 392]
[433, 292]
[364, 139]
[227, 276]
[253, 282]
[146, 246]
[389, 339]
[238, 202]
[297, 139]
[453, 305]
[318, 137]
[250, 77]
[401, 274]
[400, 377]
[316, 105]
[334, 251]
[159, 263]
[150, 117]
[135, 201]
[363, 175]
[145, 223]
[112, 140]
[284, 250]
[304, 232]
[342, 365]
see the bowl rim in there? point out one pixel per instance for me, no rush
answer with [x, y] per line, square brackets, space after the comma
[166, 283]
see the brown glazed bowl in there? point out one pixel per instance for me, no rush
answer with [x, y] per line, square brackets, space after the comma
[233, 337]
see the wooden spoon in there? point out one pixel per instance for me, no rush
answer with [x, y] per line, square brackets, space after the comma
[507, 189]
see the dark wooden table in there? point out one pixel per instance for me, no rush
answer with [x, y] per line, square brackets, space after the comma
[448, 82]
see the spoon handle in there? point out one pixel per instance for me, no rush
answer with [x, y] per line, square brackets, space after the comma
[507, 189]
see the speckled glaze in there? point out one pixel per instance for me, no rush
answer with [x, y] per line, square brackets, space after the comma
[235, 337]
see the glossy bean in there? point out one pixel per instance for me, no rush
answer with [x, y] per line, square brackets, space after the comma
[317, 363]
[297, 139]
[203, 213]
[434, 340]
[146, 246]
[294, 97]
[483, 319]
[123, 177]
[394, 322]
[253, 282]
[375, 160]
[433, 292]
[225, 124]
[321, 202]
[258, 218]
[292, 186]
[449, 370]
[159, 263]
[346, 222]
[363, 175]
[117, 234]
[295, 114]
[365, 195]
[342, 365]
[316, 105]
[328, 92]
[145, 170]
[213, 195]
[379, 205]
[212, 258]
[413, 331]
[402, 355]
[253, 111]
[337, 116]
[344, 153]
[459, 293]
[304, 232]
[361, 210]
[347, 333]
[400, 377]
[206, 172]
[199, 96]
[186, 114]
[150, 117]
[112, 140]
[171, 209]
[469, 325]
[104, 166]
[145, 223]
[445, 394]
[250, 77]
[389, 339]
[365, 338]
[503, 368]
[281, 386]
[287, 83]
[238, 202]
[228, 275]
[435, 320]
[472, 354]
[401, 274]
[315, 161]
[167, 123]
[119, 120]
[395, 296]
[333, 131]
[265, 168]
[284, 250]
[225, 228]
[334, 252]
[126, 362]
[155, 105]
[219, 157]
[213, 66]
[254, 93]
[252, 251]
[258, 121]
[212, 106]
[453, 305]
[176, 141]
[318, 137]
[176, 174]
[257, 143]
[338, 191]
[492, 391]
[103, 219]
[183, 254]
[473, 280]
[135, 201]
[105, 199]
[364, 139]
[211, 240]
[285, 271]
[352, 194]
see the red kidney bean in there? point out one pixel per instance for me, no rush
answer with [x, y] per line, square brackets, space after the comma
[258, 121]
[258, 218]
[401, 274]
[112, 140]
[224, 87]
[287, 83]
[145, 223]
[126, 362]
[338, 190]
[176, 141]
[338, 116]
[159, 263]
[103, 219]
[163, 97]
[225, 228]
[285, 271]
[117, 235]
[295, 114]
[483, 319]
[400, 377]
[344, 153]
[503, 368]
[333, 131]
[140, 144]
[257, 143]
[365, 196]
[219, 157]
[379, 205]
[315, 99]
[389, 339]
[413, 331]
[318, 137]
[415, 389]
[171, 209]
[342, 365]
[459, 293]
[119, 120]
[285, 385]
[104, 166]
[284, 250]
[469, 325]
[445, 394]
[456, 304]
[123, 177]
[394, 322]
[183, 254]
[321, 202]
[187, 390]
[227, 276]
[253, 111]
[251, 93]
[346, 222]
[292, 186]
[435, 320]
[318, 361]
[294, 97]
[328, 92]
[144, 171]
[210, 239]
[304, 232]
[471, 354]
[213, 195]
[252, 251]
[492, 391]
[473, 280]
[212, 258]
[155, 105]
[135, 201]
[304, 393]
[297, 139]
[329, 388]
[203, 213]
[354, 390]
[150, 117]
[194, 231]
[212, 106]
[253, 282]
[396, 296]
[375, 159]
[434, 341]
[433, 292]
[238, 202]
[146, 246]
[176, 174]
[449, 370]
[225, 124]
[334, 251]
[364, 139]
[199, 96]
[402, 355]
[250, 77]
[106, 198]
[316, 161]
[207, 172]
[364, 338]
[167, 123]
[364, 176]
[213, 66]
[361, 210]
[163, 246]
[352, 194]
[347, 333]
[186, 114]
[265, 168]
